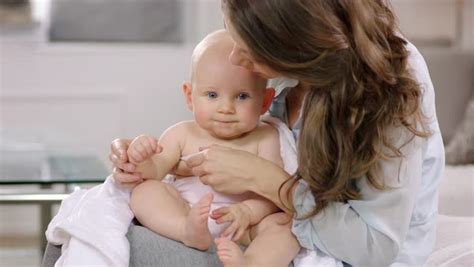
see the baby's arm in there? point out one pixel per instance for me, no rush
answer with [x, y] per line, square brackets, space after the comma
[150, 164]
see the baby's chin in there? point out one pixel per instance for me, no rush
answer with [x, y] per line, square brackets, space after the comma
[227, 134]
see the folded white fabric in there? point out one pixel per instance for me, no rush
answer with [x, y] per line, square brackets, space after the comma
[91, 226]
[305, 258]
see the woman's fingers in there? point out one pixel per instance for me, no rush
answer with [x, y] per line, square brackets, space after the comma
[131, 185]
[240, 232]
[219, 212]
[128, 167]
[196, 163]
[120, 155]
[119, 148]
[199, 162]
[123, 177]
[229, 217]
[195, 159]
[231, 229]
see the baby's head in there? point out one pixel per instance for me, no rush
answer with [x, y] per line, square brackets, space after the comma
[226, 100]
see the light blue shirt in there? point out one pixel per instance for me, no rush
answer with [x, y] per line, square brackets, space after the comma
[396, 226]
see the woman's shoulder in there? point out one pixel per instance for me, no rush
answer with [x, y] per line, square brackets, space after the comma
[419, 70]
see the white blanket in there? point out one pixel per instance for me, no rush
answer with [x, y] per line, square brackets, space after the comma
[91, 225]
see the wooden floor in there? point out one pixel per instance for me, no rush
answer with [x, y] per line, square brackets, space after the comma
[20, 252]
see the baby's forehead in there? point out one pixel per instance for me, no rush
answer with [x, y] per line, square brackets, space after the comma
[229, 87]
[231, 78]
[219, 70]
[210, 63]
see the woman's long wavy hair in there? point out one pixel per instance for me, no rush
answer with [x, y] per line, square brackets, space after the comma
[351, 55]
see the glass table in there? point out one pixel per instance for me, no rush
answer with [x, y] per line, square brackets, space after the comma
[67, 170]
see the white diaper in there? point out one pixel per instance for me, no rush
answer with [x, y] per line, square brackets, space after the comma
[192, 190]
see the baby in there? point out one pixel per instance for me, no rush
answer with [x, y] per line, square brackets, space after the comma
[227, 102]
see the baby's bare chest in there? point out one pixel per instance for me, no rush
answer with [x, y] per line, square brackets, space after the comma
[193, 144]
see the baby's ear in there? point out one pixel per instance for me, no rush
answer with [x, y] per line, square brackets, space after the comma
[188, 95]
[267, 99]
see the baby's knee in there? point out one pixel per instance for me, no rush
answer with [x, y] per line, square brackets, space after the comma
[141, 194]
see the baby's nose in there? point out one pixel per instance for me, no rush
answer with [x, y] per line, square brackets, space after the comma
[226, 106]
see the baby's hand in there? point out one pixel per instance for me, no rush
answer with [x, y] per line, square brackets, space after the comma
[239, 214]
[142, 148]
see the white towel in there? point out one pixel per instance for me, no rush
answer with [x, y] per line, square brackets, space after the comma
[91, 226]
[305, 258]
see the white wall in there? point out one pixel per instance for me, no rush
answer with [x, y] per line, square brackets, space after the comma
[77, 98]
[85, 95]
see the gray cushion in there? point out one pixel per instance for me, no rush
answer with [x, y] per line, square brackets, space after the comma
[460, 149]
[51, 255]
[150, 249]
[452, 73]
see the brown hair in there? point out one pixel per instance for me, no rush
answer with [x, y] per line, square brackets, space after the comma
[349, 53]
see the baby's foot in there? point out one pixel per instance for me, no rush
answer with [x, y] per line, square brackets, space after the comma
[196, 233]
[229, 253]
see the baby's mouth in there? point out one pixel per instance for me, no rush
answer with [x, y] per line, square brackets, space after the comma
[225, 121]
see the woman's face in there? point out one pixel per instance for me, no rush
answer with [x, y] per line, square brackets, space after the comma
[241, 56]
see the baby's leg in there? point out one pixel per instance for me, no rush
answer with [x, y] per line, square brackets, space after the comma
[272, 244]
[159, 207]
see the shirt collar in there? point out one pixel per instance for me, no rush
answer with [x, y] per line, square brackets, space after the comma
[280, 83]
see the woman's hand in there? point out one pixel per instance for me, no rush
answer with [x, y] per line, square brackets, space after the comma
[227, 170]
[124, 171]
[238, 215]
[235, 171]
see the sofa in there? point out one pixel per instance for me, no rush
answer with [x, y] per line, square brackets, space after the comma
[452, 73]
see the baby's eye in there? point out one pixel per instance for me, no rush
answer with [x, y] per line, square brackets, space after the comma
[212, 95]
[243, 96]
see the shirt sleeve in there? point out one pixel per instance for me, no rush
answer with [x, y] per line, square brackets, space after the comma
[369, 231]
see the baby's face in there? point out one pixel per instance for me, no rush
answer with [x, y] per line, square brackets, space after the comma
[227, 100]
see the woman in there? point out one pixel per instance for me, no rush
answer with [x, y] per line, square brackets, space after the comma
[370, 151]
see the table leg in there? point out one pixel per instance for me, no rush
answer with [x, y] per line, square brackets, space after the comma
[45, 217]
[45, 214]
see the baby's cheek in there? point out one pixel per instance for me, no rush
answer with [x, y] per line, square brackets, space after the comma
[251, 117]
[200, 116]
